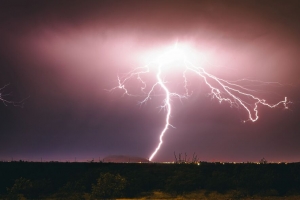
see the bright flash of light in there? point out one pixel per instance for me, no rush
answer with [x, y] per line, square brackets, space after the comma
[232, 92]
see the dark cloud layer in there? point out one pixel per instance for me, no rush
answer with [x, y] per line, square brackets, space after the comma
[64, 54]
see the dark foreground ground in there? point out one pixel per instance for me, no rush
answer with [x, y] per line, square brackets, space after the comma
[51, 180]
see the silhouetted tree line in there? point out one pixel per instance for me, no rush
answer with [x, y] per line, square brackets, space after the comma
[109, 180]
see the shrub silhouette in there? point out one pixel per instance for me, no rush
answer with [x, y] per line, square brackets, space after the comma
[109, 186]
[22, 186]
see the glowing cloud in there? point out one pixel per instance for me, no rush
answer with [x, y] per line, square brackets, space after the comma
[175, 59]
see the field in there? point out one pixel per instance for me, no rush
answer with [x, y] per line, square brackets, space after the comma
[53, 180]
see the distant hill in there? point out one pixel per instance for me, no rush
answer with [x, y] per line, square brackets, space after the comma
[124, 159]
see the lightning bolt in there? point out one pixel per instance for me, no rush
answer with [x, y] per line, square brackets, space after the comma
[224, 91]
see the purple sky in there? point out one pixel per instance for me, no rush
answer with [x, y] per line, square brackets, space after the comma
[64, 54]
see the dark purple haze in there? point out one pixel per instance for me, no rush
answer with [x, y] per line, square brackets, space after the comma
[64, 54]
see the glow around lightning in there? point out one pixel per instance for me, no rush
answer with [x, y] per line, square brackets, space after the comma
[232, 92]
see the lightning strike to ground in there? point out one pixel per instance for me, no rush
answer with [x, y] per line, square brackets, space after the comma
[231, 92]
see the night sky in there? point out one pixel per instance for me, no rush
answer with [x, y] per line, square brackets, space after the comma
[60, 57]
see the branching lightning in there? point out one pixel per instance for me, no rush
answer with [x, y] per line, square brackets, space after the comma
[3, 95]
[231, 92]
[6, 102]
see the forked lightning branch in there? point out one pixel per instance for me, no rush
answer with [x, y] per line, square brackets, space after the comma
[232, 92]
